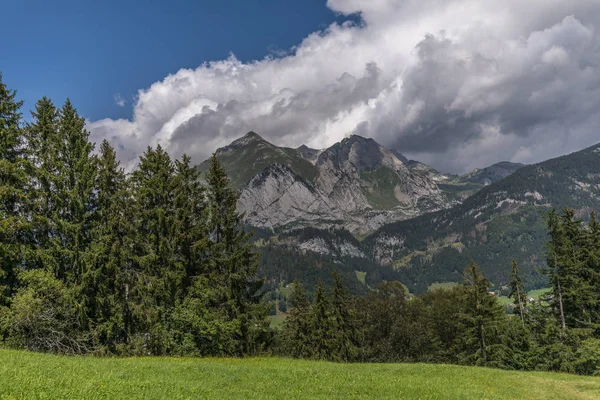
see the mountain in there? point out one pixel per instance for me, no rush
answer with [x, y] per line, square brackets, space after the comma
[250, 154]
[500, 222]
[463, 186]
[491, 174]
[356, 184]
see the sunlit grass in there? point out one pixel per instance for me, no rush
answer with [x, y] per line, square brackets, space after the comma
[37, 376]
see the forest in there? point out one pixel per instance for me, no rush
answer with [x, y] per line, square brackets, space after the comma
[94, 260]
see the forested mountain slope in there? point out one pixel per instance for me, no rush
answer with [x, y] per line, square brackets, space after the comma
[502, 221]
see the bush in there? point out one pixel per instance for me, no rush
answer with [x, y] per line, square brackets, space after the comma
[44, 316]
[588, 357]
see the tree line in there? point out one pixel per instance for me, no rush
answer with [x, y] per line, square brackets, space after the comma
[466, 324]
[158, 262]
[96, 260]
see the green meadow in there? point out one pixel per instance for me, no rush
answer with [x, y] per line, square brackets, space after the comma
[26, 375]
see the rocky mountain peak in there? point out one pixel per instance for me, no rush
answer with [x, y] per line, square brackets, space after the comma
[359, 153]
[249, 139]
[309, 154]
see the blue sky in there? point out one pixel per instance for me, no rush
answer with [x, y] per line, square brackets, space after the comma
[92, 50]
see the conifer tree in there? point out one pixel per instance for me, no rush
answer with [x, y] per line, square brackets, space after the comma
[556, 270]
[190, 221]
[13, 199]
[159, 273]
[346, 332]
[517, 292]
[74, 194]
[482, 313]
[42, 141]
[232, 263]
[321, 326]
[297, 333]
[108, 280]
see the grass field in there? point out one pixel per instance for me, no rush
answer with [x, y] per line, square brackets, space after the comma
[534, 294]
[442, 285]
[277, 320]
[38, 376]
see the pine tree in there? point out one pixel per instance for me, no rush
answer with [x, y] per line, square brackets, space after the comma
[517, 292]
[297, 334]
[232, 262]
[75, 195]
[191, 239]
[159, 273]
[346, 333]
[13, 199]
[556, 270]
[108, 280]
[321, 326]
[42, 141]
[482, 313]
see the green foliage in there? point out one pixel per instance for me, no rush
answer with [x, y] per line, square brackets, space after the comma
[45, 316]
[517, 292]
[13, 197]
[499, 223]
[151, 263]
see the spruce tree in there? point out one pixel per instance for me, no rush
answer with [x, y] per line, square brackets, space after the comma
[159, 274]
[42, 141]
[297, 335]
[346, 332]
[232, 262]
[74, 194]
[190, 215]
[321, 326]
[556, 268]
[108, 280]
[482, 314]
[517, 292]
[13, 198]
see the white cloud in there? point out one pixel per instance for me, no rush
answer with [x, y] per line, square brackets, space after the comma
[119, 100]
[457, 83]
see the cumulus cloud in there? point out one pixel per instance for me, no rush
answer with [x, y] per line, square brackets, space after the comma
[455, 83]
[120, 101]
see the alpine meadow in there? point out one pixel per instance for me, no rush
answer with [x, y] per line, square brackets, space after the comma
[337, 199]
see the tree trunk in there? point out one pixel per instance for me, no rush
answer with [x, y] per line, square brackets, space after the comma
[560, 306]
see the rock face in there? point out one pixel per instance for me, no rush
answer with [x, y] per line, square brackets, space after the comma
[355, 184]
[358, 185]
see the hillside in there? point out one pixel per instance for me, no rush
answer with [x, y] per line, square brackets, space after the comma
[29, 375]
[463, 186]
[502, 221]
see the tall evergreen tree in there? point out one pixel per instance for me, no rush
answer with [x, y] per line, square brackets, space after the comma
[322, 325]
[42, 141]
[13, 199]
[556, 267]
[76, 196]
[108, 279]
[190, 217]
[517, 292]
[297, 334]
[159, 273]
[346, 332]
[482, 314]
[232, 262]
